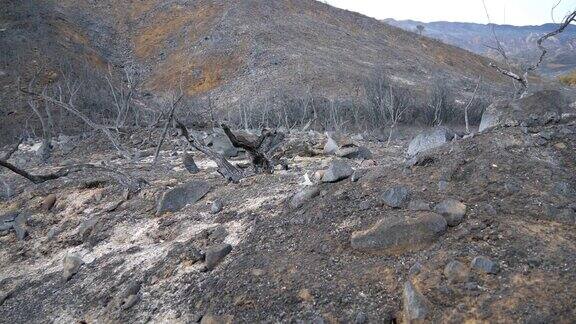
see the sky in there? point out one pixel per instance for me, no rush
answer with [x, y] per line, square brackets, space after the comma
[513, 12]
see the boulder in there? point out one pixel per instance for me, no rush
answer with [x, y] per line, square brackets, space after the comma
[452, 210]
[338, 170]
[177, 198]
[395, 196]
[430, 139]
[539, 108]
[303, 196]
[215, 254]
[189, 164]
[419, 205]
[220, 143]
[401, 233]
[416, 306]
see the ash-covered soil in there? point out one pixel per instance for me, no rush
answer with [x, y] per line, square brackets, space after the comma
[297, 265]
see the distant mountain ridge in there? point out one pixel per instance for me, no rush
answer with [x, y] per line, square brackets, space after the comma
[518, 41]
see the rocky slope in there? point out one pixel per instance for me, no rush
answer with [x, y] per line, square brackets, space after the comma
[476, 229]
[518, 41]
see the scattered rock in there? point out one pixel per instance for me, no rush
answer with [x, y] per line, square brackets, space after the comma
[358, 174]
[215, 254]
[131, 296]
[456, 271]
[338, 170]
[395, 196]
[443, 185]
[217, 207]
[483, 264]
[430, 139]
[220, 143]
[400, 233]
[178, 197]
[189, 164]
[419, 205]
[7, 220]
[48, 202]
[538, 109]
[86, 228]
[354, 152]
[360, 318]
[71, 266]
[416, 306]
[452, 210]
[331, 146]
[20, 226]
[305, 295]
[415, 269]
[304, 195]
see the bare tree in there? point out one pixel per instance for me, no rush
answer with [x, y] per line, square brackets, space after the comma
[469, 104]
[522, 80]
[420, 29]
[173, 105]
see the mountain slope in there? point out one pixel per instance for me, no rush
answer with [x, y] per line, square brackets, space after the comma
[518, 41]
[244, 52]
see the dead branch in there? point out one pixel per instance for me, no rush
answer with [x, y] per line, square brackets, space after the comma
[165, 131]
[225, 168]
[565, 23]
[470, 104]
[11, 150]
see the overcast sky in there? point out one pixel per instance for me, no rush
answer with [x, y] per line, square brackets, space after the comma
[513, 12]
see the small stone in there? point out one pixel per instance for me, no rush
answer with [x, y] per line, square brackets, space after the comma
[471, 286]
[71, 266]
[416, 306]
[7, 220]
[419, 205]
[452, 210]
[331, 146]
[305, 295]
[217, 206]
[189, 164]
[48, 202]
[360, 318]
[365, 205]
[338, 170]
[415, 269]
[442, 185]
[560, 146]
[485, 265]
[20, 226]
[304, 195]
[456, 271]
[395, 196]
[215, 254]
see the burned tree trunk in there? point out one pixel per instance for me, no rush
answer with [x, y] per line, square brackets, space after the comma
[260, 150]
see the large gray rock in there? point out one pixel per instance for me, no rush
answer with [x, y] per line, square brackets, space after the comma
[430, 139]
[178, 197]
[452, 210]
[220, 143]
[395, 196]
[331, 146]
[303, 196]
[538, 109]
[338, 170]
[398, 234]
[416, 306]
